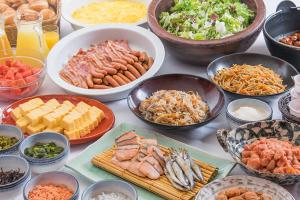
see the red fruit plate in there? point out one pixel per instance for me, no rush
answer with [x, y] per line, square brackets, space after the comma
[105, 125]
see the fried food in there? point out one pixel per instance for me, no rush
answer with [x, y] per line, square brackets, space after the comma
[249, 80]
[174, 107]
[239, 193]
[272, 156]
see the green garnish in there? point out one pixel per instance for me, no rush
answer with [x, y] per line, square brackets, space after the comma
[206, 19]
[43, 150]
[7, 142]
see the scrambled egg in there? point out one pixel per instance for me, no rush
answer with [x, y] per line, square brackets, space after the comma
[112, 11]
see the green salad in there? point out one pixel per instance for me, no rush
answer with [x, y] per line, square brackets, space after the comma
[206, 19]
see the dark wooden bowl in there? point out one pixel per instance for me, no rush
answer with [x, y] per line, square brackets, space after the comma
[281, 67]
[210, 93]
[280, 24]
[203, 52]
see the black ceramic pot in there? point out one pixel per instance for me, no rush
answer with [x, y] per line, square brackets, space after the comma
[285, 21]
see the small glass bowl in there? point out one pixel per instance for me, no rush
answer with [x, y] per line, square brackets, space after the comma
[18, 89]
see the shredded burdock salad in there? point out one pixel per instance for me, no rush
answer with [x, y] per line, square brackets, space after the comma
[206, 19]
[173, 107]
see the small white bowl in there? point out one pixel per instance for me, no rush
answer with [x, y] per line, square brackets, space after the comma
[234, 121]
[69, 7]
[294, 94]
[9, 162]
[107, 186]
[138, 38]
[56, 178]
[294, 107]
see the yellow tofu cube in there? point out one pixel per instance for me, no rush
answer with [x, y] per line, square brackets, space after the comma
[71, 135]
[16, 113]
[49, 120]
[22, 123]
[56, 129]
[30, 105]
[31, 129]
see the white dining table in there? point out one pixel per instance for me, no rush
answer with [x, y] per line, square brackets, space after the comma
[203, 138]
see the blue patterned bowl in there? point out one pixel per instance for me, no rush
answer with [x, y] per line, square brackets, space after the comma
[233, 142]
[39, 166]
[210, 191]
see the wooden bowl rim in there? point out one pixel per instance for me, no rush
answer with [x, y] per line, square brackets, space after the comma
[251, 29]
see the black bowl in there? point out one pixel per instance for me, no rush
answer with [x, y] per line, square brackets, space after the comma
[285, 21]
[281, 67]
[209, 92]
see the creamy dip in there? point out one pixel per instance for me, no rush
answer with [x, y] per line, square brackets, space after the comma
[250, 113]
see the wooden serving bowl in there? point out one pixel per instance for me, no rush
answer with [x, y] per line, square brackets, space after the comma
[204, 51]
[209, 92]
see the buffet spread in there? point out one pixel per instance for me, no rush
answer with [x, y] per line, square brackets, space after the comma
[110, 56]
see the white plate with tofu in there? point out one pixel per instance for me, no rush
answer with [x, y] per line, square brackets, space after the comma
[78, 118]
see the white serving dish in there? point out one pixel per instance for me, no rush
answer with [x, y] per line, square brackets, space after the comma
[138, 38]
[210, 191]
[71, 5]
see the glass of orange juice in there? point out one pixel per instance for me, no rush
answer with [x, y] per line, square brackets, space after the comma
[51, 34]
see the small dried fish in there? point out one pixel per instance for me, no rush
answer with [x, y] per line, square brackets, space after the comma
[171, 171]
[196, 169]
[177, 186]
[179, 173]
[184, 165]
[179, 169]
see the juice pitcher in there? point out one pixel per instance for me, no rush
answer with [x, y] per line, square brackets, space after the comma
[30, 40]
[5, 48]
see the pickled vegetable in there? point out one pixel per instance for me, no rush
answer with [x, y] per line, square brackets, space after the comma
[44, 150]
[7, 142]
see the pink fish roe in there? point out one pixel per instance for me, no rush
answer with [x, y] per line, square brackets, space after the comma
[50, 192]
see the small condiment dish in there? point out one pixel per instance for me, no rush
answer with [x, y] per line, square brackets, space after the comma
[11, 131]
[43, 165]
[12, 162]
[109, 186]
[295, 94]
[294, 107]
[297, 82]
[233, 119]
[53, 178]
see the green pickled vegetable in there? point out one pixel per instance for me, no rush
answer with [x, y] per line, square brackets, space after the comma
[7, 142]
[206, 19]
[44, 150]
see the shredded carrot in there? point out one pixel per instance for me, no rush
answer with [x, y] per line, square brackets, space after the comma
[249, 80]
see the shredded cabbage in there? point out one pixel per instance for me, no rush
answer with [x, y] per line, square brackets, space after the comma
[206, 19]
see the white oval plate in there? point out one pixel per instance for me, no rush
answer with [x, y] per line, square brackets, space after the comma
[69, 7]
[210, 191]
[138, 39]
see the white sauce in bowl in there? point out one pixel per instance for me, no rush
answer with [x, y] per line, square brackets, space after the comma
[248, 113]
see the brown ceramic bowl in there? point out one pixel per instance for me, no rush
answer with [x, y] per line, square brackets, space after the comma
[204, 51]
[209, 92]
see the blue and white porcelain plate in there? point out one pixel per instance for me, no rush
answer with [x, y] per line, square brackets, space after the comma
[210, 191]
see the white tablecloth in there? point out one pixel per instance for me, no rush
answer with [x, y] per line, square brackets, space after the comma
[203, 138]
